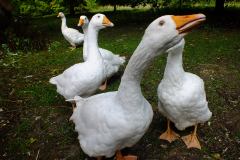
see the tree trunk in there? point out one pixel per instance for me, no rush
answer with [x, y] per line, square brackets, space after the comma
[71, 7]
[114, 7]
[219, 5]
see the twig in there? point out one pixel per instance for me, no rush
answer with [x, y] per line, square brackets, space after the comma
[8, 100]
[62, 107]
[15, 110]
[37, 154]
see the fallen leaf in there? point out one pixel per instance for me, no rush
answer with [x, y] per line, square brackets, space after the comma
[216, 155]
[37, 118]
[32, 140]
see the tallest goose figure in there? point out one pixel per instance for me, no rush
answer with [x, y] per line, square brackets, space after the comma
[182, 98]
[109, 122]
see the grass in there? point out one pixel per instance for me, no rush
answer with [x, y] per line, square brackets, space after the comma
[35, 119]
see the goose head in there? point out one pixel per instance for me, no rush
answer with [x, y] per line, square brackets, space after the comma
[61, 15]
[167, 31]
[83, 21]
[100, 21]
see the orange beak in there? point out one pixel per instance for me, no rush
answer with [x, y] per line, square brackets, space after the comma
[81, 22]
[107, 22]
[186, 23]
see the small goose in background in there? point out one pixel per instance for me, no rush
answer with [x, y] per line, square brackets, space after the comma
[73, 36]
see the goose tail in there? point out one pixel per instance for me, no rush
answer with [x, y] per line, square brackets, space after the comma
[76, 99]
[53, 80]
[122, 59]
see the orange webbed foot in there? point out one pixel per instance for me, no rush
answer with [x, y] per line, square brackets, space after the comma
[119, 156]
[191, 140]
[130, 157]
[169, 134]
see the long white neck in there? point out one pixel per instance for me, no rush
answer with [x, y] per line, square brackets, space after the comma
[64, 23]
[129, 90]
[85, 31]
[93, 53]
[174, 72]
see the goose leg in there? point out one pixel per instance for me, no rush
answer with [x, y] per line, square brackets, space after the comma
[103, 86]
[119, 156]
[99, 158]
[191, 140]
[169, 134]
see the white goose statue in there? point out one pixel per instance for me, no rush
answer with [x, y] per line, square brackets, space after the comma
[112, 62]
[111, 121]
[182, 98]
[85, 78]
[73, 36]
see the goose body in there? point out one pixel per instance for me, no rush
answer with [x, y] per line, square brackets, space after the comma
[110, 121]
[80, 79]
[84, 78]
[73, 36]
[105, 125]
[182, 97]
[112, 62]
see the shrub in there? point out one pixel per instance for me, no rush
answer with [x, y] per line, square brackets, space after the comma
[56, 6]
[90, 5]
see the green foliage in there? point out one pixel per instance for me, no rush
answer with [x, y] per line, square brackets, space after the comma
[26, 44]
[24, 126]
[54, 46]
[41, 7]
[90, 4]
[46, 7]
[57, 6]
[38, 7]
[18, 145]
[34, 8]
[5, 49]
[132, 3]
[26, 8]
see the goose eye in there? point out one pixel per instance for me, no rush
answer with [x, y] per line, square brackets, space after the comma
[98, 16]
[161, 23]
